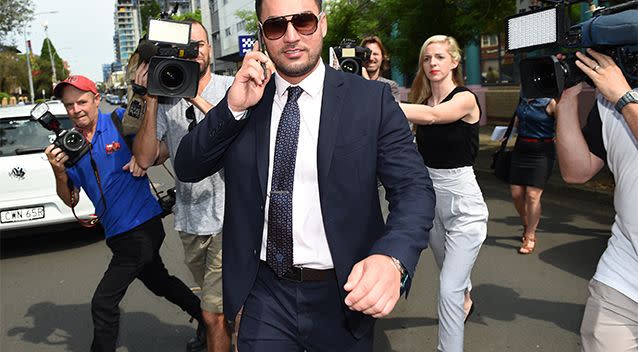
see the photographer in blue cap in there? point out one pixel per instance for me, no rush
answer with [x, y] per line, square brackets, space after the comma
[119, 190]
[610, 137]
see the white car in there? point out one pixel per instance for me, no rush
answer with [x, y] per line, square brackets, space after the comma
[28, 197]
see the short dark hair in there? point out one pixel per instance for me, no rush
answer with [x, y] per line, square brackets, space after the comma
[259, 2]
[192, 20]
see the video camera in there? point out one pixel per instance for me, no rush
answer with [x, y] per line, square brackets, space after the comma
[612, 31]
[351, 57]
[71, 141]
[166, 51]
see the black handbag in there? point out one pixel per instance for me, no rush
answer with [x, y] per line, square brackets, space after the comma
[502, 158]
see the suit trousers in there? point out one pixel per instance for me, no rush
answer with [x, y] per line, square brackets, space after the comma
[282, 315]
[459, 229]
[135, 256]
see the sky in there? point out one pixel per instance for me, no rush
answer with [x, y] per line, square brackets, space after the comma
[81, 31]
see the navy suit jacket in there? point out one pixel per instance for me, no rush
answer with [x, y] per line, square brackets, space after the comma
[362, 134]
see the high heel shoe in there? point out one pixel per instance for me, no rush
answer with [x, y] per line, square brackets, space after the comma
[469, 314]
[528, 246]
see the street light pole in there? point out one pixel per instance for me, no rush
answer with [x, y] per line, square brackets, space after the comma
[53, 75]
[28, 51]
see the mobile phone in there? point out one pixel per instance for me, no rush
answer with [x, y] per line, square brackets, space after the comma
[262, 48]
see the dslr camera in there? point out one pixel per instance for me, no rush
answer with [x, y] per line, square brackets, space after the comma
[166, 201]
[71, 141]
[167, 50]
[351, 57]
[612, 31]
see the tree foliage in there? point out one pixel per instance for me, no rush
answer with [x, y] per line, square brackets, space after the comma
[149, 10]
[13, 72]
[14, 14]
[42, 72]
[197, 15]
[250, 19]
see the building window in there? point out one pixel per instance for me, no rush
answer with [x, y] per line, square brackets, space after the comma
[241, 25]
[227, 31]
[489, 40]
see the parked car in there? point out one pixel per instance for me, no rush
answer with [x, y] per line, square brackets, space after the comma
[28, 197]
[113, 99]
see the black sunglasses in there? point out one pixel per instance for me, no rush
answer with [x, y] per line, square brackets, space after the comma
[190, 115]
[305, 23]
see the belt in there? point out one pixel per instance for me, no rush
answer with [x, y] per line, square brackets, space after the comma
[301, 274]
[536, 140]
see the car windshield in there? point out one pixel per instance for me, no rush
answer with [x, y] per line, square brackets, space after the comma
[21, 135]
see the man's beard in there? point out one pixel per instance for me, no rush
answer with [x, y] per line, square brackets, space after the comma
[297, 69]
[371, 72]
[204, 68]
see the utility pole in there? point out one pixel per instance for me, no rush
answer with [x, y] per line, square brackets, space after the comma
[53, 75]
[28, 51]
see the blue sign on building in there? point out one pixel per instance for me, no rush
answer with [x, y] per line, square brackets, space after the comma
[246, 43]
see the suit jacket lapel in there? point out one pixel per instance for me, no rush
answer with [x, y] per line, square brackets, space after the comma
[262, 114]
[328, 126]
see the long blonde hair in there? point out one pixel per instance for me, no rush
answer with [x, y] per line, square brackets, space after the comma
[421, 90]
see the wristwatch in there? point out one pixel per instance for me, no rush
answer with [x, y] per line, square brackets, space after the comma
[629, 97]
[401, 268]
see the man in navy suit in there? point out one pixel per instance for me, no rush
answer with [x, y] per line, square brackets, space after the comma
[307, 254]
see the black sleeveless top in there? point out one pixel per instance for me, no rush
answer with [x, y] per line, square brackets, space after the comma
[451, 145]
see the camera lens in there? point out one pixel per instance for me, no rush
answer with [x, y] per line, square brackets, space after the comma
[172, 76]
[350, 66]
[73, 141]
[544, 80]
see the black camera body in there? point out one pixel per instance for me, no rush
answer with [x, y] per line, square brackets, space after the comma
[167, 51]
[612, 31]
[167, 201]
[351, 57]
[71, 141]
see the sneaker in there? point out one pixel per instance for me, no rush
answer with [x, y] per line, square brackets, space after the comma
[197, 343]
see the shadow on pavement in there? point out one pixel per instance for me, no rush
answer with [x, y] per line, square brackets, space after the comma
[381, 340]
[37, 243]
[70, 326]
[503, 303]
[577, 258]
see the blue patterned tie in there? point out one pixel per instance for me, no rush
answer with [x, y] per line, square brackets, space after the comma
[279, 244]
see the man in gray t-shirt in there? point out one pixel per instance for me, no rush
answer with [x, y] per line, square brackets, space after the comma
[610, 137]
[199, 207]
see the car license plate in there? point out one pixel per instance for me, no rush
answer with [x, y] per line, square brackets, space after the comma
[24, 214]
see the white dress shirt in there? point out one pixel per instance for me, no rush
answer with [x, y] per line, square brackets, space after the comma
[310, 246]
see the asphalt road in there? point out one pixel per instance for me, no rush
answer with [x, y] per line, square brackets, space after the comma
[523, 303]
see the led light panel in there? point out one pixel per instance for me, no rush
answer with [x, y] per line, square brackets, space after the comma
[534, 29]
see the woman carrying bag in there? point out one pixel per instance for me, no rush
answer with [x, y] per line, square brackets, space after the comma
[532, 162]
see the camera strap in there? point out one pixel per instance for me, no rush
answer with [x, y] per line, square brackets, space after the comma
[510, 127]
[94, 221]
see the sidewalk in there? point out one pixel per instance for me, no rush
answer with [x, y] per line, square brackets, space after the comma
[602, 184]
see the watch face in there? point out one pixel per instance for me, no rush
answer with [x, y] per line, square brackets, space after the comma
[633, 95]
[39, 110]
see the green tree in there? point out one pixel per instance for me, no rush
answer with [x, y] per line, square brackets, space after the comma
[250, 19]
[197, 15]
[43, 62]
[13, 71]
[13, 16]
[149, 10]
